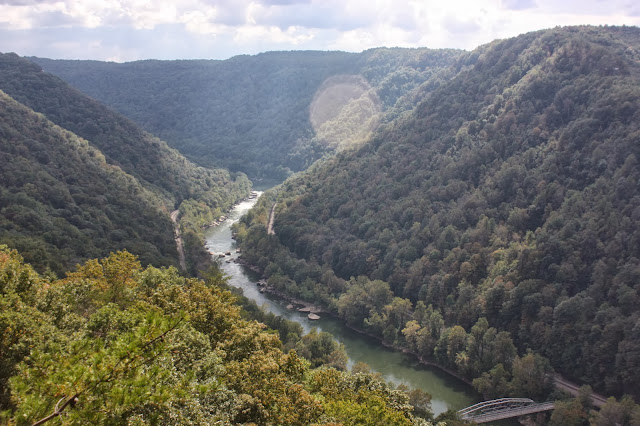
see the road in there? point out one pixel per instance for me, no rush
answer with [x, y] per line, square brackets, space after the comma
[272, 216]
[178, 237]
[572, 388]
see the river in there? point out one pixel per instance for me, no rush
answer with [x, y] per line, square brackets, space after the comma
[396, 367]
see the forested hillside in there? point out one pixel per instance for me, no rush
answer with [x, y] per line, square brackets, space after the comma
[124, 339]
[115, 343]
[62, 202]
[252, 113]
[504, 210]
[79, 180]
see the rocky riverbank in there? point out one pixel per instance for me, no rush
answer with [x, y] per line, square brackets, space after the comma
[312, 308]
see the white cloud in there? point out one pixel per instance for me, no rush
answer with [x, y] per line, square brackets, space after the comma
[258, 34]
[213, 28]
[327, 14]
[518, 4]
[200, 22]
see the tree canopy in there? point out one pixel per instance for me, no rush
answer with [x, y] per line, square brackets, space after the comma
[507, 197]
[79, 180]
[252, 113]
[116, 343]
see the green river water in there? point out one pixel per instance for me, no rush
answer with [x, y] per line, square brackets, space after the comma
[446, 390]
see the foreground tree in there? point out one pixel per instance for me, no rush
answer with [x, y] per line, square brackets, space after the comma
[113, 343]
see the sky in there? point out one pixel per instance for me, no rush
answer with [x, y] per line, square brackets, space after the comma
[127, 30]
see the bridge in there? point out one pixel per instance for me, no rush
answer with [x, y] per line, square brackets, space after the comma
[503, 408]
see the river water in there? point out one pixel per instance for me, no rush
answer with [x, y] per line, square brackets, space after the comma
[396, 367]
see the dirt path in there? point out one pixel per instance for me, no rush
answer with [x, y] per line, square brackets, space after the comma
[178, 237]
[572, 388]
[272, 216]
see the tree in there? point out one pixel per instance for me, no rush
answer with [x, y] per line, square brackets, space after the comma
[570, 413]
[449, 417]
[114, 343]
[361, 398]
[320, 348]
[532, 376]
[494, 383]
[613, 412]
[410, 333]
[420, 400]
[452, 342]
[99, 380]
[362, 298]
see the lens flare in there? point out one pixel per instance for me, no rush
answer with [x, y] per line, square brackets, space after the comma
[345, 111]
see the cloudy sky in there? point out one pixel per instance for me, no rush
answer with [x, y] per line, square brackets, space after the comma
[125, 30]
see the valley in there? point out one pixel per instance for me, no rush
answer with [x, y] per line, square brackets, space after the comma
[477, 210]
[447, 391]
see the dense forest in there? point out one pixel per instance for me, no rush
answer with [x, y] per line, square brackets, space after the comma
[62, 202]
[480, 210]
[116, 343]
[495, 228]
[79, 180]
[252, 113]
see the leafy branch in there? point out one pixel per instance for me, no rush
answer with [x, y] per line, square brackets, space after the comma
[126, 363]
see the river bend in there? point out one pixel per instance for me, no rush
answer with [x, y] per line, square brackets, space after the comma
[395, 367]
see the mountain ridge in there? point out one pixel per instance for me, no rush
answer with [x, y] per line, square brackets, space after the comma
[248, 113]
[59, 214]
[164, 178]
[509, 193]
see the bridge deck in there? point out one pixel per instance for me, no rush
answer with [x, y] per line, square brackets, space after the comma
[508, 413]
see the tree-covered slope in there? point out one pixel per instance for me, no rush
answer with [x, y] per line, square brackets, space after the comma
[510, 193]
[61, 202]
[115, 343]
[247, 113]
[123, 143]
[80, 180]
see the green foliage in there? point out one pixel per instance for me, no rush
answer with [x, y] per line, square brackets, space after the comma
[613, 412]
[450, 417]
[66, 197]
[360, 399]
[248, 113]
[570, 413]
[362, 297]
[494, 383]
[105, 377]
[73, 205]
[320, 348]
[510, 193]
[532, 375]
[115, 343]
